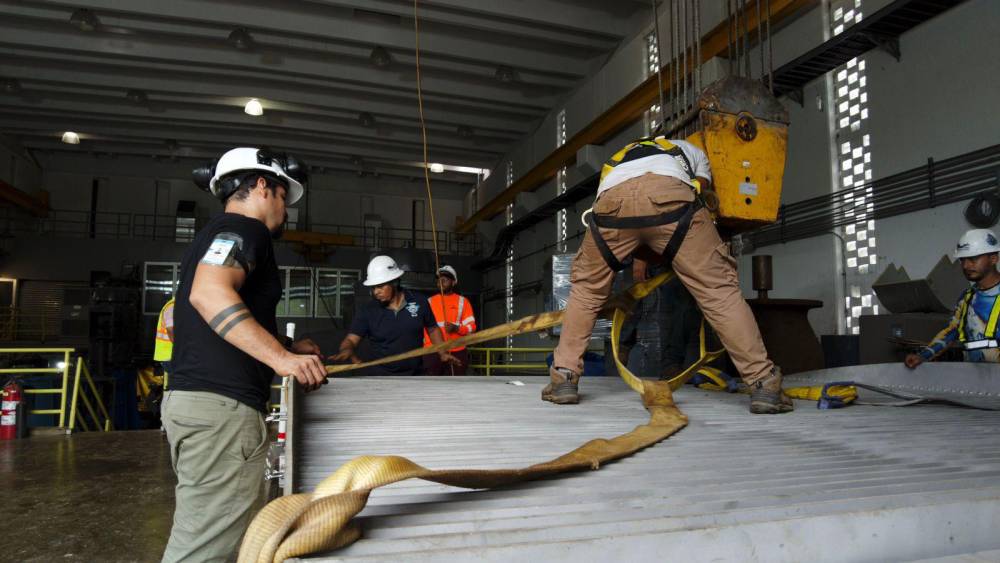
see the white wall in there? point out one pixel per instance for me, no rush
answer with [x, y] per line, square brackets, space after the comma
[937, 101]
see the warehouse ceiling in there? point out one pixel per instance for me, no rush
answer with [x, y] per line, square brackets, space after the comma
[335, 78]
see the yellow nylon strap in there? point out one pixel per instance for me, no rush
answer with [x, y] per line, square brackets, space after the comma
[847, 393]
[304, 523]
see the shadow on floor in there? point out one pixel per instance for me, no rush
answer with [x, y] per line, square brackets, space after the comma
[87, 497]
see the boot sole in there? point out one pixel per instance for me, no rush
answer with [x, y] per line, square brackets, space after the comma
[770, 408]
[562, 399]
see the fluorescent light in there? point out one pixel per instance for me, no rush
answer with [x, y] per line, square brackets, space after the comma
[254, 108]
[71, 138]
[438, 168]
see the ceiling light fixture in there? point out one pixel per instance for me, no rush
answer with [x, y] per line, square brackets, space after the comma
[380, 57]
[505, 74]
[137, 97]
[70, 138]
[85, 20]
[436, 167]
[10, 86]
[254, 108]
[241, 39]
[366, 119]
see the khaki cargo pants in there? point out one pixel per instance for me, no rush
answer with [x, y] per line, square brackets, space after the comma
[703, 264]
[218, 447]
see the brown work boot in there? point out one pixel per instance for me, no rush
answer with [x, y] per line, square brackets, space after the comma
[562, 390]
[766, 396]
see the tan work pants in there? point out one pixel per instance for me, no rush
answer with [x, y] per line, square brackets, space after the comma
[703, 264]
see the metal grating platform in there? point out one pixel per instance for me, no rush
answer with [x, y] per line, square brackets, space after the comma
[857, 484]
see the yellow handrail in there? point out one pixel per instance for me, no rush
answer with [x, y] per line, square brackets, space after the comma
[81, 370]
[489, 366]
[61, 390]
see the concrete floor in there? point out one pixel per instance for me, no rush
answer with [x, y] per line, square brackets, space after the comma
[88, 497]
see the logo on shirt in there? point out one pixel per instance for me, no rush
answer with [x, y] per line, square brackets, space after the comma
[413, 308]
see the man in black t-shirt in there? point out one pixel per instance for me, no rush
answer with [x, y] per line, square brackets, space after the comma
[226, 352]
[394, 322]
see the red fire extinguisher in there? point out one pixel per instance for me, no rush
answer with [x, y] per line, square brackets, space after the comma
[13, 399]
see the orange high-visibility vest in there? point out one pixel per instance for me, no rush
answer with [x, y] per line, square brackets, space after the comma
[457, 311]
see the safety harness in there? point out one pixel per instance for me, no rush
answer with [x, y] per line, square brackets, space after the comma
[989, 339]
[635, 150]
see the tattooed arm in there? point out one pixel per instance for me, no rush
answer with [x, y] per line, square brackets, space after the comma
[214, 295]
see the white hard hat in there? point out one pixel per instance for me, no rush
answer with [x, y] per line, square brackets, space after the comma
[382, 269]
[450, 271]
[247, 159]
[977, 242]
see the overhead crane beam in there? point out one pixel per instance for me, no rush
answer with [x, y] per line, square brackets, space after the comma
[625, 111]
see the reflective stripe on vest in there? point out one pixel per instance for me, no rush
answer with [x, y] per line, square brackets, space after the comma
[648, 147]
[991, 324]
[163, 349]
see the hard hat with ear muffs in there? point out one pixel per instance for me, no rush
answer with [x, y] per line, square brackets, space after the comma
[223, 177]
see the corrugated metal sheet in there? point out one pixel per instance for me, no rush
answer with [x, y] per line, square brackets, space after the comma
[857, 484]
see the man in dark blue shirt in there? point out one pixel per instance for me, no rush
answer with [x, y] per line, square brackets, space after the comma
[394, 322]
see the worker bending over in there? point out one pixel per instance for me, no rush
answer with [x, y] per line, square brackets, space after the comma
[455, 319]
[974, 324]
[648, 196]
[394, 322]
[226, 352]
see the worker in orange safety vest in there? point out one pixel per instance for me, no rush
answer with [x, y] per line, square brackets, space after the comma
[456, 320]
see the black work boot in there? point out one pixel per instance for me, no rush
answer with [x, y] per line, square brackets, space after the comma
[562, 390]
[766, 396]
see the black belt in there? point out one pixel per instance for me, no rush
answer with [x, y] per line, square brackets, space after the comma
[682, 216]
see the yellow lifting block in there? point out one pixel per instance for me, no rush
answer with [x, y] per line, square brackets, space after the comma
[744, 131]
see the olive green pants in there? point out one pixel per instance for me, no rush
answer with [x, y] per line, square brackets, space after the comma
[218, 447]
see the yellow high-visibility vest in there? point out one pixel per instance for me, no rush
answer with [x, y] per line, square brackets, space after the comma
[991, 324]
[164, 349]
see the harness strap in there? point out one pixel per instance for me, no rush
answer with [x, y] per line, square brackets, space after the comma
[609, 222]
[682, 216]
[602, 245]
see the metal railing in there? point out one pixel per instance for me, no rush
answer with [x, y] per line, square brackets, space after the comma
[147, 226]
[68, 397]
[16, 325]
[60, 391]
[76, 415]
[378, 238]
[488, 360]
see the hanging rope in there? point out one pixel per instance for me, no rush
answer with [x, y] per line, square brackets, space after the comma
[427, 173]
[770, 50]
[659, 67]
[760, 41]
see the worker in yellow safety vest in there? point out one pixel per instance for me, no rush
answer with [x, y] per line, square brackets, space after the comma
[456, 320]
[163, 350]
[974, 324]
